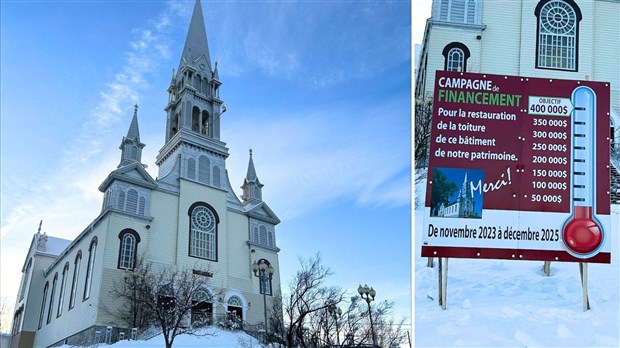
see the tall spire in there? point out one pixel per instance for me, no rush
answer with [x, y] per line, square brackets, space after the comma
[252, 188]
[131, 147]
[194, 108]
[196, 45]
[251, 175]
[134, 131]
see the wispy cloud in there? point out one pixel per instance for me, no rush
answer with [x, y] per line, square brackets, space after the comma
[308, 158]
[146, 51]
[75, 183]
[350, 46]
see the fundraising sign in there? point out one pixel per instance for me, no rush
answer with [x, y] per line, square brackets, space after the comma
[518, 169]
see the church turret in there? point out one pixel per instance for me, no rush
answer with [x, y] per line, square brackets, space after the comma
[131, 146]
[252, 188]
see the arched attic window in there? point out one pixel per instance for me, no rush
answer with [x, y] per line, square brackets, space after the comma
[557, 35]
[203, 169]
[455, 57]
[458, 11]
[191, 168]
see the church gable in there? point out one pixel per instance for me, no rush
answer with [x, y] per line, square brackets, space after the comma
[262, 212]
[134, 174]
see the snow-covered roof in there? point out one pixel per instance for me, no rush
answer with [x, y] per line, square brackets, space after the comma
[55, 246]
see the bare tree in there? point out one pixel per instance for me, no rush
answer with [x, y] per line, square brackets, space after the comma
[357, 329]
[422, 131]
[163, 297]
[389, 332]
[308, 297]
[5, 315]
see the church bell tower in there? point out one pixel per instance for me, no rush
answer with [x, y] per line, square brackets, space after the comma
[193, 114]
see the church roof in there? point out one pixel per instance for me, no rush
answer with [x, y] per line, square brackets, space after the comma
[251, 174]
[262, 211]
[196, 44]
[133, 173]
[134, 132]
[56, 245]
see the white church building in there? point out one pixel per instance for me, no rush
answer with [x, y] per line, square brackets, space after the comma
[188, 217]
[562, 39]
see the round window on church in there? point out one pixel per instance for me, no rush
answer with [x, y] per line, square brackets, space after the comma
[203, 219]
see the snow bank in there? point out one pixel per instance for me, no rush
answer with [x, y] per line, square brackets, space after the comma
[505, 303]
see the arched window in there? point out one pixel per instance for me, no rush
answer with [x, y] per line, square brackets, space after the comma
[216, 176]
[25, 280]
[50, 309]
[198, 83]
[205, 86]
[120, 204]
[89, 268]
[141, 206]
[132, 201]
[106, 199]
[195, 118]
[203, 231]
[191, 168]
[270, 237]
[263, 235]
[128, 248]
[235, 308]
[63, 286]
[204, 124]
[255, 234]
[47, 285]
[203, 169]
[202, 308]
[76, 275]
[557, 34]
[455, 57]
[471, 12]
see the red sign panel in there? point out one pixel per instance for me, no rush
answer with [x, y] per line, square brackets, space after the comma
[519, 168]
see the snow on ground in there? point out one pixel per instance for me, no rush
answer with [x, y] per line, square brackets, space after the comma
[218, 339]
[504, 303]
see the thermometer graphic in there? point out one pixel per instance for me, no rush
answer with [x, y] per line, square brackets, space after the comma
[582, 231]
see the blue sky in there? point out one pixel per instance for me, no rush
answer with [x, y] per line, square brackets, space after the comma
[319, 90]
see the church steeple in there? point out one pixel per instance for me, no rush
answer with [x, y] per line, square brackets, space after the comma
[252, 188]
[131, 147]
[196, 46]
[194, 103]
[194, 110]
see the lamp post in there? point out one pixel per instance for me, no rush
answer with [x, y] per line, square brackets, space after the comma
[368, 294]
[336, 313]
[264, 271]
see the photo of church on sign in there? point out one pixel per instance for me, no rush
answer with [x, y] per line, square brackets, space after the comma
[455, 193]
